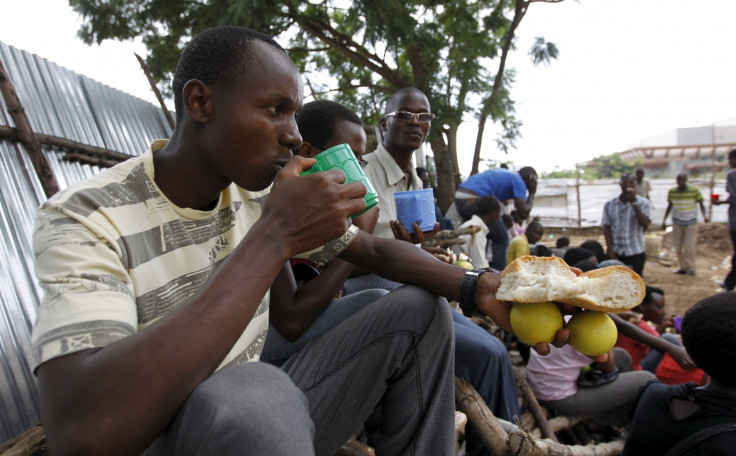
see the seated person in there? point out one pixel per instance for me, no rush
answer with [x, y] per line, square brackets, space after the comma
[519, 246]
[595, 247]
[578, 254]
[480, 358]
[540, 250]
[476, 245]
[652, 310]
[561, 245]
[665, 415]
[554, 377]
[516, 225]
[156, 274]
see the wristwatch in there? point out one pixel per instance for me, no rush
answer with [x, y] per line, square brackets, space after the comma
[467, 291]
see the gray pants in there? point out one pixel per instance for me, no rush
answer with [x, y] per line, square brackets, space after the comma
[609, 403]
[390, 366]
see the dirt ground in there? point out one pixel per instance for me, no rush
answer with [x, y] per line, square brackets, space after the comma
[713, 261]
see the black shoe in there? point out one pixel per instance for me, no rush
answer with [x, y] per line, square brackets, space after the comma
[680, 271]
[595, 377]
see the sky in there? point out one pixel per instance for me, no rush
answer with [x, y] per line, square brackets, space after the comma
[627, 70]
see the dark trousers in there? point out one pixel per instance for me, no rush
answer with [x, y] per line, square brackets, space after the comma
[392, 361]
[635, 261]
[499, 237]
[730, 281]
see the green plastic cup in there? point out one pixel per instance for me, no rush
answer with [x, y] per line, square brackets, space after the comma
[342, 157]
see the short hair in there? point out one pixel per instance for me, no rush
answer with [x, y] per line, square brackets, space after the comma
[393, 101]
[586, 265]
[421, 171]
[649, 290]
[526, 172]
[488, 204]
[316, 120]
[709, 336]
[732, 154]
[541, 250]
[562, 241]
[595, 247]
[577, 254]
[534, 224]
[216, 56]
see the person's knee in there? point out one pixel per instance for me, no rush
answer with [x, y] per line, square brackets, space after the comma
[671, 338]
[420, 307]
[251, 402]
[622, 359]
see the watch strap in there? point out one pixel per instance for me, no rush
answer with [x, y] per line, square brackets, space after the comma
[467, 291]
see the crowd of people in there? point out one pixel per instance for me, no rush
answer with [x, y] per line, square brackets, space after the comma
[172, 321]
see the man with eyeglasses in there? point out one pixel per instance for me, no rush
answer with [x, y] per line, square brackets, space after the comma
[480, 357]
[390, 167]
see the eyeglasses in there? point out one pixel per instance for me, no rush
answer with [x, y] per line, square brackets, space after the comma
[407, 116]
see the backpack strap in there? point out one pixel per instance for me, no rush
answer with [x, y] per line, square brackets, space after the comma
[686, 444]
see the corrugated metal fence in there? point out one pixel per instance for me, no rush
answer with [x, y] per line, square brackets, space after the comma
[60, 103]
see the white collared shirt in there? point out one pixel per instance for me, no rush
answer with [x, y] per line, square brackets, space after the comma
[387, 178]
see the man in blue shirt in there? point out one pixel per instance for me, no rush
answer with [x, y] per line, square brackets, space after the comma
[504, 185]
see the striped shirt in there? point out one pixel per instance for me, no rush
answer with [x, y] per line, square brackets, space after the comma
[113, 255]
[684, 205]
[627, 234]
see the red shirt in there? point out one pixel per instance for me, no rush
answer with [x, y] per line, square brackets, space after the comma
[637, 350]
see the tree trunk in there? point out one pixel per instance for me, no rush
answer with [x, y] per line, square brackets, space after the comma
[451, 134]
[445, 174]
[519, 12]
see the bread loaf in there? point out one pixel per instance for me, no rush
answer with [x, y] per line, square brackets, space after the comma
[537, 279]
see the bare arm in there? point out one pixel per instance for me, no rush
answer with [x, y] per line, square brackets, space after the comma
[117, 399]
[294, 310]
[634, 332]
[641, 217]
[524, 207]
[706, 219]
[402, 262]
[667, 212]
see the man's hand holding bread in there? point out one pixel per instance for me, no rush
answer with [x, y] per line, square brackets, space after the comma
[532, 279]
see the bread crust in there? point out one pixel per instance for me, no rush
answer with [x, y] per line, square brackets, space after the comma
[536, 279]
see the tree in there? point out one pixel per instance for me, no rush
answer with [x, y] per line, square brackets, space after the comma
[356, 52]
[495, 104]
[613, 165]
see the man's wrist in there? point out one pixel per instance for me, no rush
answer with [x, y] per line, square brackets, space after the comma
[468, 286]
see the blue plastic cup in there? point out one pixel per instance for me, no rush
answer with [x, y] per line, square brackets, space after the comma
[416, 206]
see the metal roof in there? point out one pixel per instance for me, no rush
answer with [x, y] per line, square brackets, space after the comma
[61, 103]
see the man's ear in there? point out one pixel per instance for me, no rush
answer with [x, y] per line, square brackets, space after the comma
[382, 124]
[197, 100]
[306, 150]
